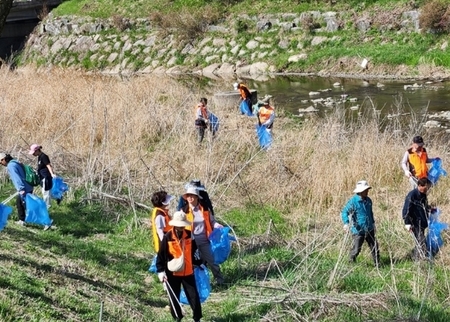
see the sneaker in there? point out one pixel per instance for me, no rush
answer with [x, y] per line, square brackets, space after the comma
[47, 227]
[20, 223]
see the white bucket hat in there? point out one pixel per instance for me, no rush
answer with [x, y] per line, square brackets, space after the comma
[235, 86]
[191, 191]
[361, 186]
[179, 220]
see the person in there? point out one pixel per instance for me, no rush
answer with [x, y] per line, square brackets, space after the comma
[203, 223]
[160, 216]
[266, 115]
[178, 243]
[245, 98]
[17, 175]
[45, 172]
[415, 215]
[414, 162]
[357, 215]
[202, 119]
[204, 199]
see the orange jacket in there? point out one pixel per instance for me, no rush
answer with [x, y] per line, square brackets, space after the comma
[176, 247]
[265, 112]
[159, 212]
[418, 164]
[190, 217]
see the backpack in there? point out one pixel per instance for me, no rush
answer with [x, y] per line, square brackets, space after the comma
[31, 176]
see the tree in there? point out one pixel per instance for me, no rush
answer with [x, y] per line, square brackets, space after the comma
[5, 6]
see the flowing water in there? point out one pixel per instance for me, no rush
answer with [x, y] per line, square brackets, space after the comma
[293, 93]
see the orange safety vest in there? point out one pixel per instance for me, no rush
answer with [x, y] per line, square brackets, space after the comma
[245, 92]
[190, 217]
[156, 212]
[178, 247]
[265, 112]
[203, 111]
[418, 164]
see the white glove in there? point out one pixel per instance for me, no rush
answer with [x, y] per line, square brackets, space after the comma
[407, 174]
[408, 227]
[53, 175]
[217, 225]
[346, 227]
[162, 276]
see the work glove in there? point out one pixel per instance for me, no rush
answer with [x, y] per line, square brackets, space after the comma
[346, 227]
[53, 175]
[407, 174]
[408, 227]
[162, 276]
[217, 225]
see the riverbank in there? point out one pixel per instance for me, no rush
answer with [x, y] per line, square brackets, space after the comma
[315, 42]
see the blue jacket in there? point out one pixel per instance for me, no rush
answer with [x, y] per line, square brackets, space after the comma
[416, 209]
[359, 211]
[17, 175]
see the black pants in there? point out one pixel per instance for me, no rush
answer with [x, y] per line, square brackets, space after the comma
[21, 207]
[358, 241]
[191, 292]
[420, 249]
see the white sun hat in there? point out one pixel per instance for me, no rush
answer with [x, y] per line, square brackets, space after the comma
[235, 86]
[361, 186]
[191, 191]
[179, 220]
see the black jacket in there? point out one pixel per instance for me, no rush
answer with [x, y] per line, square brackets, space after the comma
[416, 209]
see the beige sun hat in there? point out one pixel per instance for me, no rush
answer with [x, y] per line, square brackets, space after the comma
[179, 220]
[191, 190]
[361, 186]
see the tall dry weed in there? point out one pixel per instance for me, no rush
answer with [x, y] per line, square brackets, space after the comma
[132, 137]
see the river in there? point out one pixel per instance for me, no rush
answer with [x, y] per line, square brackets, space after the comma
[293, 93]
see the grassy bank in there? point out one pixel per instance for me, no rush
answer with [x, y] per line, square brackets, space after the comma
[393, 50]
[131, 137]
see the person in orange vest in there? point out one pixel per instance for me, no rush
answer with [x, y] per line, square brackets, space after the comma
[175, 266]
[202, 119]
[245, 105]
[203, 223]
[160, 216]
[266, 115]
[414, 162]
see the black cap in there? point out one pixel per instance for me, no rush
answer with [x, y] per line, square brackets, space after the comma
[418, 139]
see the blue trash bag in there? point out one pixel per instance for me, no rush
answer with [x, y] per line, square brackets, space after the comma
[436, 171]
[58, 189]
[5, 211]
[202, 283]
[246, 108]
[152, 268]
[264, 137]
[434, 239]
[214, 121]
[36, 211]
[220, 244]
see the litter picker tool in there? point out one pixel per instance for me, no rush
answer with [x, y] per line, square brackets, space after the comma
[167, 288]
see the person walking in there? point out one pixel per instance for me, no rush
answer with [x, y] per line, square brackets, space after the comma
[202, 119]
[266, 115]
[16, 172]
[414, 162]
[175, 266]
[415, 215]
[160, 217]
[245, 105]
[204, 199]
[45, 172]
[357, 216]
[203, 223]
